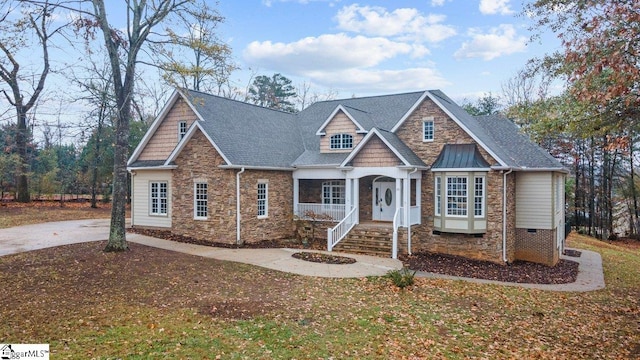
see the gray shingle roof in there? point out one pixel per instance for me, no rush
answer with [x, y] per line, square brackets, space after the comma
[460, 156]
[502, 137]
[147, 163]
[517, 148]
[249, 135]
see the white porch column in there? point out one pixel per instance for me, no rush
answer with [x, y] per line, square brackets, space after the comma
[348, 194]
[356, 198]
[406, 189]
[419, 197]
[296, 195]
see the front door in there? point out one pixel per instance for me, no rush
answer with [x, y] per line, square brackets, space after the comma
[384, 200]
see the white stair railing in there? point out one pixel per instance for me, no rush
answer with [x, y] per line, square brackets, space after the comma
[334, 235]
[397, 222]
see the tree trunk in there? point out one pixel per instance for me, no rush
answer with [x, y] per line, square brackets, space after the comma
[117, 232]
[21, 143]
[634, 192]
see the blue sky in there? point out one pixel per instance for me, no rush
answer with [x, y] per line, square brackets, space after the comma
[463, 47]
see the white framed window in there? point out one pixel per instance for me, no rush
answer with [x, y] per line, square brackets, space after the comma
[478, 196]
[428, 129]
[201, 201]
[341, 141]
[263, 199]
[438, 195]
[182, 129]
[158, 198]
[457, 196]
[333, 192]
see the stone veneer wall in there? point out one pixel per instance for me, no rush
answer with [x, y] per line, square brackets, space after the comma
[539, 246]
[279, 221]
[199, 161]
[489, 246]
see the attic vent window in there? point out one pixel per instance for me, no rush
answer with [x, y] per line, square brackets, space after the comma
[341, 141]
[182, 129]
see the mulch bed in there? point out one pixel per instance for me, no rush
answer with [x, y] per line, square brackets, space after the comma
[563, 272]
[323, 258]
[265, 244]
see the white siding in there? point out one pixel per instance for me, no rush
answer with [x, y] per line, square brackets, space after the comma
[534, 200]
[140, 198]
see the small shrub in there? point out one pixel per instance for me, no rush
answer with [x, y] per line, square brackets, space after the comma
[402, 278]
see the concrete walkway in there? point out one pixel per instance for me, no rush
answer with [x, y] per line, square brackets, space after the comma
[39, 236]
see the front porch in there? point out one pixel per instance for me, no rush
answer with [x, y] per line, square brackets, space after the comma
[385, 196]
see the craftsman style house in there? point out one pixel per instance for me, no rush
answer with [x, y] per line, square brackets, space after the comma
[414, 167]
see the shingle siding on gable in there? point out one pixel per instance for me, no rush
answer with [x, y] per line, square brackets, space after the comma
[165, 138]
[375, 153]
[340, 124]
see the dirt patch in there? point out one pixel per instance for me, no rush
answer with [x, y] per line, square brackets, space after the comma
[564, 272]
[82, 278]
[323, 258]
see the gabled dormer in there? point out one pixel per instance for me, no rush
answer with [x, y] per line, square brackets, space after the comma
[341, 131]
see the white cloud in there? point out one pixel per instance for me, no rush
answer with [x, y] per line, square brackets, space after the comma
[490, 7]
[380, 81]
[499, 41]
[326, 52]
[437, 2]
[405, 23]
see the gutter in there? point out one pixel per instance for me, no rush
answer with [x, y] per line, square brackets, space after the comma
[504, 216]
[242, 168]
[238, 206]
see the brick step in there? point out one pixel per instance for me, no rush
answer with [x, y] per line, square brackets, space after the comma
[378, 253]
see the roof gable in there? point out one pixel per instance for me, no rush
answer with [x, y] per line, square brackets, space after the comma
[338, 109]
[190, 133]
[396, 146]
[173, 99]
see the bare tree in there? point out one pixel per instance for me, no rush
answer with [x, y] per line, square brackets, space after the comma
[123, 49]
[32, 29]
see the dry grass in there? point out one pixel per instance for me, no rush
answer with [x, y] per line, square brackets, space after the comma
[151, 303]
[16, 214]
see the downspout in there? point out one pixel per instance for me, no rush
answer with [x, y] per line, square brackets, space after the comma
[238, 205]
[409, 209]
[504, 215]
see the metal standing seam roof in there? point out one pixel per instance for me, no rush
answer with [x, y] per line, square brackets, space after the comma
[460, 156]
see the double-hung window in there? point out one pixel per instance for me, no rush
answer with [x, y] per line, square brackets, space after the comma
[457, 196]
[478, 197]
[158, 198]
[438, 194]
[263, 199]
[201, 201]
[428, 129]
[341, 141]
[333, 192]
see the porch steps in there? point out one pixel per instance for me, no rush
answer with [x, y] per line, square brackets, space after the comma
[367, 239]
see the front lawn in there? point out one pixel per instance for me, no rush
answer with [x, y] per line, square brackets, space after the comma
[151, 303]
